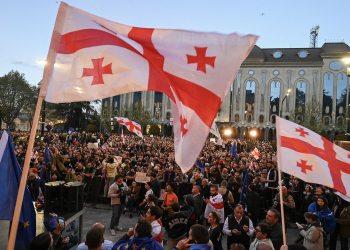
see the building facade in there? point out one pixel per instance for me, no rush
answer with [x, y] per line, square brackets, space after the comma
[257, 93]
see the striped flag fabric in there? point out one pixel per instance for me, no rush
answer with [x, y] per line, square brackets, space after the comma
[92, 58]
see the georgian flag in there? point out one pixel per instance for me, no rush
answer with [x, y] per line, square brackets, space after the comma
[214, 130]
[92, 58]
[311, 157]
[130, 125]
[40, 198]
[256, 153]
[215, 204]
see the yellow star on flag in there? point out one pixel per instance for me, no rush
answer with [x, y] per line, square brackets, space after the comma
[26, 224]
[126, 246]
[143, 248]
[134, 246]
[118, 248]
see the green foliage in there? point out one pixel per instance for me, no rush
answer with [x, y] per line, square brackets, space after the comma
[341, 137]
[21, 141]
[15, 94]
[274, 145]
[309, 116]
[154, 130]
[91, 128]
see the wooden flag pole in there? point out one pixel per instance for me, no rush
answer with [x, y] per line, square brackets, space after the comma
[282, 208]
[21, 189]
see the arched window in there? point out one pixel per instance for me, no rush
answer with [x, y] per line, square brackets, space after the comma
[137, 97]
[275, 97]
[168, 115]
[300, 92]
[341, 93]
[249, 99]
[328, 80]
[236, 118]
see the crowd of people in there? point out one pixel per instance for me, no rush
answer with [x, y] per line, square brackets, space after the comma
[198, 220]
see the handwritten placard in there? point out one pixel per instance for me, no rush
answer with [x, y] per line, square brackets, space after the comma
[141, 177]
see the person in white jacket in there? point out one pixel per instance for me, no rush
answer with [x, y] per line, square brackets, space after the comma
[312, 233]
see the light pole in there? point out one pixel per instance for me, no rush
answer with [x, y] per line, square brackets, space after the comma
[347, 61]
[253, 134]
[283, 101]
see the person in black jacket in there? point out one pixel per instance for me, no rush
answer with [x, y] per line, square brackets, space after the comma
[215, 229]
[155, 185]
[33, 185]
[253, 204]
[272, 218]
[176, 224]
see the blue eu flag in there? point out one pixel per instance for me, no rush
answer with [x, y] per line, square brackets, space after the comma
[245, 189]
[200, 165]
[10, 177]
[136, 243]
[233, 150]
[47, 157]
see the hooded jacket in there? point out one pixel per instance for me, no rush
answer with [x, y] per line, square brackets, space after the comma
[313, 236]
[325, 216]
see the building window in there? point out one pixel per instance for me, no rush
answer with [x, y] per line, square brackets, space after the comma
[261, 119]
[275, 97]
[328, 80]
[341, 93]
[251, 72]
[137, 97]
[236, 118]
[303, 53]
[335, 65]
[301, 72]
[168, 115]
[250, 98]
[276, 72]
[157, 115]
[277, 54]
[300, 93]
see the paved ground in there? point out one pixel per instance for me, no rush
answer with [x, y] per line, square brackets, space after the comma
[92, 216]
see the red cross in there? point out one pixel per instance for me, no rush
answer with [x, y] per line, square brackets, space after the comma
[301, 131]
[97, 71]
[132, 126]
[214, 199]
[201, 59]
[328, 154]
[303, 166]
[183, 121]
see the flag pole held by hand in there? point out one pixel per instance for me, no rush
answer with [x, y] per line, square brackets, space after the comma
[282, 208]
[17, 212]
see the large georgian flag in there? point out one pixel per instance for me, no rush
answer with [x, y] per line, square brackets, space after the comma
[93, 58]
[312, 158]
[130, 125]
[215, 203]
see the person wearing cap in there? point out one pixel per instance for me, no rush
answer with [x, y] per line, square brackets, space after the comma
[341, 211]
[227, 197]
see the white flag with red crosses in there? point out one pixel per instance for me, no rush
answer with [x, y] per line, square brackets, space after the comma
[311, 157]
[92, 58]
[130, 125]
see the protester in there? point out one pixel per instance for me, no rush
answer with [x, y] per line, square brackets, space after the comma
[132, 198]
[117, 193]
[341, 211]
[313, 233]
[110, 168]
[95, 239]
[215, 229]
[263, 235]
[325, 215]
[238, 228]
[272, 218]
[199, 235]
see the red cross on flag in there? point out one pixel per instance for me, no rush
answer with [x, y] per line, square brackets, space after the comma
[130, 125]
[92, 58]
[312, 158]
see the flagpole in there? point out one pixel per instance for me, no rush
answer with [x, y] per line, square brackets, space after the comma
[282, 208]
[21, 189]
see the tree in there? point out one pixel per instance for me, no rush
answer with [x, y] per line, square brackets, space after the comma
[137, 113]
[15, 94]
[309, 116]
[154, 130]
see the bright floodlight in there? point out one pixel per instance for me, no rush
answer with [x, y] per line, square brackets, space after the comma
[346, 60]
[253, 133]
[228, 132]
[289, 90]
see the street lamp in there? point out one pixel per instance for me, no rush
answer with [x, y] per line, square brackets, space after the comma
[43, 114]
[253, 134]
[283, 101]
[228, 132]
